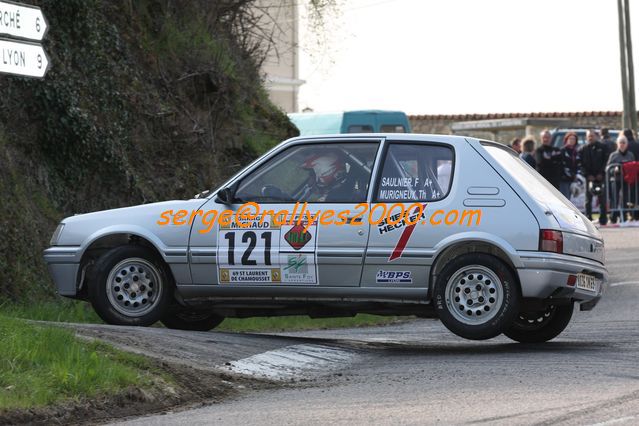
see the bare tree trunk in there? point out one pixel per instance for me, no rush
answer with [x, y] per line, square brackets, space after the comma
[631, 69]
[625, 121]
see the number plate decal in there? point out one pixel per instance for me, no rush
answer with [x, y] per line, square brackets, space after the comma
[586, 282]
[267, 253]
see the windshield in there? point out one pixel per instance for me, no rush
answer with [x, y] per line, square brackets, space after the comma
[539, 188]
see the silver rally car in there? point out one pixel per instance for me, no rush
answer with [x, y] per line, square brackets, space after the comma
[447, 227]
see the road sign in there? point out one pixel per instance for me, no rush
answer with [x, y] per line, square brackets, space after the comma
[23, 58]
[23, 21]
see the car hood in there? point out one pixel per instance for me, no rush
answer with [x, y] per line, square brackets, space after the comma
[79, 228]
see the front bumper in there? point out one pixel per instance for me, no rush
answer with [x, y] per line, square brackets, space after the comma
[64, 266]
[545, 275]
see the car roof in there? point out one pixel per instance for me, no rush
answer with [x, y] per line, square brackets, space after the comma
[417, 137]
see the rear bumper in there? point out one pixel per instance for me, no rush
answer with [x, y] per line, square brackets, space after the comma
[64, 265]
[545, 275]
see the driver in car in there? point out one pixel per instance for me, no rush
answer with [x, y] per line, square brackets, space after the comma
[330, 180]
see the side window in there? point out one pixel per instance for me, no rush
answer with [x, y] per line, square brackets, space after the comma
[415, 172]
[392, 128]
[359, 128]
[329, 173]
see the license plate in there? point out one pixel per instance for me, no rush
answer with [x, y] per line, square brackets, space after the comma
[586, 282]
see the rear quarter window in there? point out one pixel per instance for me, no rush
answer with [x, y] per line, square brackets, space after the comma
[415, 172]
[527, 177]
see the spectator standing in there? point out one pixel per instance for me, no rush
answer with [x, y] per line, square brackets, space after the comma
[528, 154]
[548, 160]
[633, 145]
[611, 145]
[593, 159]
[516, 145]
[570, 163]
[622, 154]
[620, 193]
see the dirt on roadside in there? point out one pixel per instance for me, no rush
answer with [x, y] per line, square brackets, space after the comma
[194, 360]
[193, 387]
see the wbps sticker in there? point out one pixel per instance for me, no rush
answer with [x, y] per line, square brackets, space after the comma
[394, 277]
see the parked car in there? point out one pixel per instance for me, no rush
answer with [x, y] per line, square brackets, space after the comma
[558, 135]
[480, 241]
[366, 121]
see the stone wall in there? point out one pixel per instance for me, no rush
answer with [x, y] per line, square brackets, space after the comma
[441, 124]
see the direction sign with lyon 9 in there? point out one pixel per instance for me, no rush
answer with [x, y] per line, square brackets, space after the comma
[23, 58]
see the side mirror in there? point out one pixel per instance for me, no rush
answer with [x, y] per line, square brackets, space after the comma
[202, 194]
[225, 196]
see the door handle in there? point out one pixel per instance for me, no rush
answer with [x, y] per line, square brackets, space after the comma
[352, 220]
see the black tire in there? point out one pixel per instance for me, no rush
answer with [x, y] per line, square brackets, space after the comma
[191, 320]
[489, 307]
[540, 327]
[147, 297]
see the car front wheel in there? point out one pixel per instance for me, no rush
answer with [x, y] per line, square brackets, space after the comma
[476, 296]
[538, 327]
[130, 285]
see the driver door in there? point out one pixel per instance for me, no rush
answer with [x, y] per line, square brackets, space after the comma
[278, 247]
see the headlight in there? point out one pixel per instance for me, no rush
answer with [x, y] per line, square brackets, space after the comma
[56, 235]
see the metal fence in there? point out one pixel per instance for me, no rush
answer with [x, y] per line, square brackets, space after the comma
[621, 197]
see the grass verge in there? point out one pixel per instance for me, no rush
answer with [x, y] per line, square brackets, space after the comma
[60, 310]
[82, 312]
[42, 366]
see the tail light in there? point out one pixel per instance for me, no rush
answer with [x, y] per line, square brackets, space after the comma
[551, 240]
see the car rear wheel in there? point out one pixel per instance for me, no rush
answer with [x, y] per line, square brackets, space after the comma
[191, 320]
[476, 296]
[538, 327]
[130, 285]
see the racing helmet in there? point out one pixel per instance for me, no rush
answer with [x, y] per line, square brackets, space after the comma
[329, 169]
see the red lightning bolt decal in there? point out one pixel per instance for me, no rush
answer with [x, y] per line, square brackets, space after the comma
[403, 239]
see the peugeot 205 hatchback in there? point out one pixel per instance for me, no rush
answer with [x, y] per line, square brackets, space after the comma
[435, 226]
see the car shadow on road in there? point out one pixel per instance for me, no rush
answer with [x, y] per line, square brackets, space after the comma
[480, 348]
[442, 347]
[452, 347]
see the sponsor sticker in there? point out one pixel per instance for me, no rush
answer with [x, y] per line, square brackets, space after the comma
[297, 237]
[384, 226]
[394, 277]
[257, 223]
[249, 275]
[299, 268]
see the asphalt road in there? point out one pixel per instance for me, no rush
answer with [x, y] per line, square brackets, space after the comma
[419, 373]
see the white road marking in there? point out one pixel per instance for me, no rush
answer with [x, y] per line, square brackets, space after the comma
[622, 265]
[294, 361]
[624, 283]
